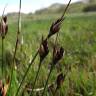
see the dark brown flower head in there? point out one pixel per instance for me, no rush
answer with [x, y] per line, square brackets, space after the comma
[5, 19]
[57, 54]
[0, 85]
[55, 27]
[60, 80]
[3, 27]
[43, 50]
[4, 88]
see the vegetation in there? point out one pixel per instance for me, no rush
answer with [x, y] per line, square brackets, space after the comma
[78, 38]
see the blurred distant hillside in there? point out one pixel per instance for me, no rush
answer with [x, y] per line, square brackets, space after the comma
[74, 7]
[57, 8]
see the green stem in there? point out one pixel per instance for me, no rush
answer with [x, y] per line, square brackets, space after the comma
[12, 68]
[16, 45]
[31, 94]
[2, 54]
[66, 9]
[47, 80]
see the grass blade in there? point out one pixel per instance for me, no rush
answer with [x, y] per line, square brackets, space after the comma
[31, 94]
[47, 79]
[2, 55]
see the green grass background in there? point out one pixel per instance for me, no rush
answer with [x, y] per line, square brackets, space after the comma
[77, 36]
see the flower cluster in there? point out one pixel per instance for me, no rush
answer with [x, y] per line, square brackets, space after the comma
[3, 27]
[43, 50]
[4, 88]
[57, 54]
[60, 80]
[55, 27]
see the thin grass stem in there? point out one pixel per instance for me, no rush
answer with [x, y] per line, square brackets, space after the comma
[66, 8]
[31, 94]
[3, 40]
[16, 45]
[2, 54]
[52, 67]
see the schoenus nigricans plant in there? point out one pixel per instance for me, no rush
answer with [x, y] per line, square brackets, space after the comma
[43, 52]
[41, 57]
[57, 51]
[55, 27]
[3, 32]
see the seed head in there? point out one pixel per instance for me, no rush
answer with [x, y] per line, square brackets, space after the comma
[43, 50]
[5, 19]
[0, 85]
[4, 88]
[3, 27]
[57, 54]
[60, 80]
[55, 27]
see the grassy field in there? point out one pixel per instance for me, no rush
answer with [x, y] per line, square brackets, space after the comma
[77, 36]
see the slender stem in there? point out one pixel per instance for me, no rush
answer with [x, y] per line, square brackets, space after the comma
[16, 45]
[2, 39]
[26, 73]
[58, 33]
[12, 69]
[31, 94]
[47, 79]
[2, 54]
[66, 9]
